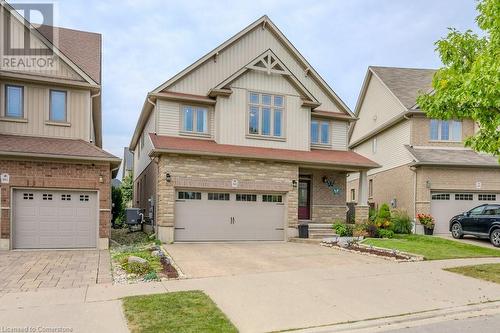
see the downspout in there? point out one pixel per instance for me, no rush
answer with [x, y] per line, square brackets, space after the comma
[92, 134]
[414, 169]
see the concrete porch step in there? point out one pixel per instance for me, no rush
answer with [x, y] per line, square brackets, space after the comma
[320, 234]
[320, 226]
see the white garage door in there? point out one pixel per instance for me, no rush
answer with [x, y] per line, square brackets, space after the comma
[224, 216]
[445, 205]
[44, 219]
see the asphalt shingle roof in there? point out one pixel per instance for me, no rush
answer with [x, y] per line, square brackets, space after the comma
[458, 157]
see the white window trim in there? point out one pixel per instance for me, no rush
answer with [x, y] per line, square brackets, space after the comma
[319, 144]
[450, 134]
[259, 135]
[194, 132]
[3, 103]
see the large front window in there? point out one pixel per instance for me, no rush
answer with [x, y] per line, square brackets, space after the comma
[320, 132]
[445, 130]
[265, 115]
[195, 119]
[14, 97]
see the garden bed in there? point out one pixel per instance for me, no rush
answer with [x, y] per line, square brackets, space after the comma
[139, 258]
[355, 247]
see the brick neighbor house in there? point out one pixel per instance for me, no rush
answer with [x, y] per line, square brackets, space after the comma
[424, 166]
[245, 144]
[55, 177]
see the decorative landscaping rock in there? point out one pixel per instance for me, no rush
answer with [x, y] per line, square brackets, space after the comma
[137, 260]
[157, 253]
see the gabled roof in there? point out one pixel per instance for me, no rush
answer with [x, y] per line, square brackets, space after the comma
[332, 158]
[405, 83]
[452, 157]
[266, 22]
[84, 62]
[81, 47]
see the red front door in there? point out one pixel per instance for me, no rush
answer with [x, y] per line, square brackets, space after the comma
[304, 200]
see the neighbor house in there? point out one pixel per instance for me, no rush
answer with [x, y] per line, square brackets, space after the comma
[425, 167]
[55, 178]
[245, 144]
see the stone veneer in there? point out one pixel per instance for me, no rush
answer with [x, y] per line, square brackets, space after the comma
[56, 175]
[202, 172]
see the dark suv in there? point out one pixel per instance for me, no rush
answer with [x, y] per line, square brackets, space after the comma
[482, 221]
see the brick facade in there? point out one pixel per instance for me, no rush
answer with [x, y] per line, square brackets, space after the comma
[57, 175]
[420, 129]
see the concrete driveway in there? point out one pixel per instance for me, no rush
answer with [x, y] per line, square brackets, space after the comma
[266, 287]
[472, 240]
[198, 260]
[32, 270]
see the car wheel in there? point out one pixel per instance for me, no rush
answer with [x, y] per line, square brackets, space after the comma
[456, 231]
[495, 237]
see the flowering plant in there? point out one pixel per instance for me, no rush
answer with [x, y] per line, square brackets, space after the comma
[426, 220]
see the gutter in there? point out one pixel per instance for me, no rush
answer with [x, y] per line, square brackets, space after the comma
[65, 157]
[357, 167]
[452, 164]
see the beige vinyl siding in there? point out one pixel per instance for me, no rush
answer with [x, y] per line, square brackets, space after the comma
[390, 150]
[339, 134]
[378, 107]
[36, 113]
[60, 69]
[232, 114]
[141, 152]
[238, 55]
[169, 118]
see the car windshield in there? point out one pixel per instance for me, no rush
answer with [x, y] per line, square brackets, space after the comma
[476, 211]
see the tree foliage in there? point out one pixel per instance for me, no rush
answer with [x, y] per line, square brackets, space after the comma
[127, 189]
[468, 86]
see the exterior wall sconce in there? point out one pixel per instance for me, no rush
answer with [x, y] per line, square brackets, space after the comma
[101, 179]
[294, 183]
[428, 184]
[168, 177]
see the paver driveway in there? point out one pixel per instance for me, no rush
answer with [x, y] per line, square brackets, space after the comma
[31, 270]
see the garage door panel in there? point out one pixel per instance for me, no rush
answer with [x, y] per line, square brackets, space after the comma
[445, 205]
[223, 220]
[57, 223]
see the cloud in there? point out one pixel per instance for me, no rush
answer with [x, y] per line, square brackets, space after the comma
[147, 42]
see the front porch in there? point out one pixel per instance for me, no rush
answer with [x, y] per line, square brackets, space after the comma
[322, 199]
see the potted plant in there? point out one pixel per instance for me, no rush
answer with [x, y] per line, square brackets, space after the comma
[428, 222]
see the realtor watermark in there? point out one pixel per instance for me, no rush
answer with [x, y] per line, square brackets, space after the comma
[35, 329]
[25, 44]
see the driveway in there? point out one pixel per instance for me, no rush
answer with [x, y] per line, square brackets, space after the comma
[472, 240]
[198, 260]
[32, 270]
[266, 287]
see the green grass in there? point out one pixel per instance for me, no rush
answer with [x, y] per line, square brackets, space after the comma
[125, 252]
[488, 272]
[433, 248]
[124, 237]
[185, 311]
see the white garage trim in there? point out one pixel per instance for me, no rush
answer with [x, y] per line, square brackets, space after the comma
[195, 214]
[39, 189]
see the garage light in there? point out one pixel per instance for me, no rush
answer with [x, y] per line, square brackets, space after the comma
[168, 177]
[294, 183]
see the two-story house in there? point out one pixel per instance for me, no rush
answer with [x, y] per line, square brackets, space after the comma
[244, 144]
[55, 178]
[425, 167]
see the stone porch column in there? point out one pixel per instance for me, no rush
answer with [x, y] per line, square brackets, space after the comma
[362, 208]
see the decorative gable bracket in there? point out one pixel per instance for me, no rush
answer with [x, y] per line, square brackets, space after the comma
[269, 63]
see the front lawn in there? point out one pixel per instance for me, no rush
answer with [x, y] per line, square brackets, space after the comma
[185, 311]
[432, 248]
[488, 272]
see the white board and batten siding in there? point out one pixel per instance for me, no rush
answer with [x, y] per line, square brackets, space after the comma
[339, 134]
[238, 55]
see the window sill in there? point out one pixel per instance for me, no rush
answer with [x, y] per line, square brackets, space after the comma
[57, 123]
[321, 146]
[14, 120]
[264, 137]
[195, 134]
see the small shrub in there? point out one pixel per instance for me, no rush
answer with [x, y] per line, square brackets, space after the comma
[401, 222]
[136, 268]
[151, 276]
[343, 229]
[360, 230]
[382, 223]
[372, 213]
[384, 233]
[384, 212]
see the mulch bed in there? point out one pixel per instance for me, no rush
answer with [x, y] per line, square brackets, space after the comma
[168, 269]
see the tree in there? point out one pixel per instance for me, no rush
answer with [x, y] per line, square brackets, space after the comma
[127, 189]
[468, 86]
[117, 209]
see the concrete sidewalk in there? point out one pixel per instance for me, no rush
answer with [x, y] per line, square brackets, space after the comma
[268, 301]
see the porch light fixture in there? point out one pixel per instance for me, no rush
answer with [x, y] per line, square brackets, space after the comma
[168, 177]
[294, 183]
[428, 184]
[101, 179]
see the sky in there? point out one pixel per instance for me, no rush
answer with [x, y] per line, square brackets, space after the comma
[145, 42]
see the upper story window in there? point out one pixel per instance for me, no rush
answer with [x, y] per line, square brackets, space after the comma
[265, 115]
[445, 130]
[195, 119]
[320, 132]
[58, 106]
[14, 101]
